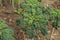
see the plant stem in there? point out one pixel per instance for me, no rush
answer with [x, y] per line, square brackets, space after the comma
[52, 33]
[13, 3]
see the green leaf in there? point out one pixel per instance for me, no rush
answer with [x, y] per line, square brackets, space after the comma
[3, 24]
[55, 24]
[43, 30]
[18, 21]
[30, 33]
[7, 34]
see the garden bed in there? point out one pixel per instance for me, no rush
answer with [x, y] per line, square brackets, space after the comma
[7, 14]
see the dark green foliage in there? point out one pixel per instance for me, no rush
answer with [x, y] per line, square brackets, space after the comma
[54, 15]
[34, 16]
[6, 33]
[30, 33]
[17, 21]
[55, 24]
[44, 30]
[3, 24]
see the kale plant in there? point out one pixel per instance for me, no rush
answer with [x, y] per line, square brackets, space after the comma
[6, 33]
[34, 17]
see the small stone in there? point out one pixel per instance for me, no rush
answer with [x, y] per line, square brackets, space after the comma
[10, 20]
[48, 31]
[52, 36]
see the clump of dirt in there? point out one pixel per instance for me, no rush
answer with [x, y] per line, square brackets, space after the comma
[56, 4]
